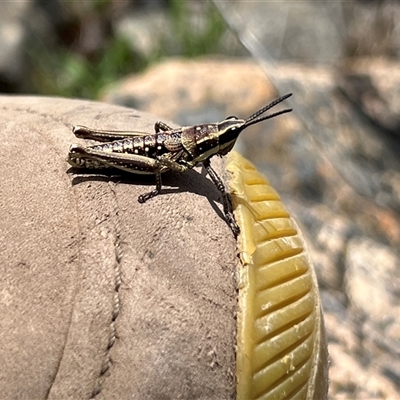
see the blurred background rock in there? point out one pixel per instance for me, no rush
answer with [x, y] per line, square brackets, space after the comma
[334, 160]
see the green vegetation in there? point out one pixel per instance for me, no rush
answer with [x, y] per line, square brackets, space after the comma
[196, 35]
[67, 70]
[68, 74]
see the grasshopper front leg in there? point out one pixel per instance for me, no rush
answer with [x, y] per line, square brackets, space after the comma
[171, 164]
[228, 214]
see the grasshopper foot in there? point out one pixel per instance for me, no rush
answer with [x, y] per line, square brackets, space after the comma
[230, 220]
[146, 196]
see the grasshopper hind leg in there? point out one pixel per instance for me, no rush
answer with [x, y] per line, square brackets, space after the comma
[146, 196]
[228, 214]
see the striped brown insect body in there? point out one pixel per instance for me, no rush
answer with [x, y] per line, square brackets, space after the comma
[167, 149]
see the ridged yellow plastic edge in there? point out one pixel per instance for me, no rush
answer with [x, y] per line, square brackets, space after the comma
[281, 346]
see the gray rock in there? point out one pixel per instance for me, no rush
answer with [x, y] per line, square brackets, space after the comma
[373, 92]
[373, 281]
[100, 294]
[341, 182]
[12, 40]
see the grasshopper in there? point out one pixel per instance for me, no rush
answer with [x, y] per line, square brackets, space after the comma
[167, 149]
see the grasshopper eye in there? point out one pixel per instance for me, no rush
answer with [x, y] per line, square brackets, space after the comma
[232, 117]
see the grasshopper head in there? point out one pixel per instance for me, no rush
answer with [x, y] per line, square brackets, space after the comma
[229, 131]
[231, 127]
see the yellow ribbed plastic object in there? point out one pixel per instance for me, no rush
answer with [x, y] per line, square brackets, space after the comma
[281, 346]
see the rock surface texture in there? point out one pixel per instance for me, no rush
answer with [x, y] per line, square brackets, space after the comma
[341, 182]
[102, 296]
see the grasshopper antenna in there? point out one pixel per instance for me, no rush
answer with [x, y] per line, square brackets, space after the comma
[253, 118]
